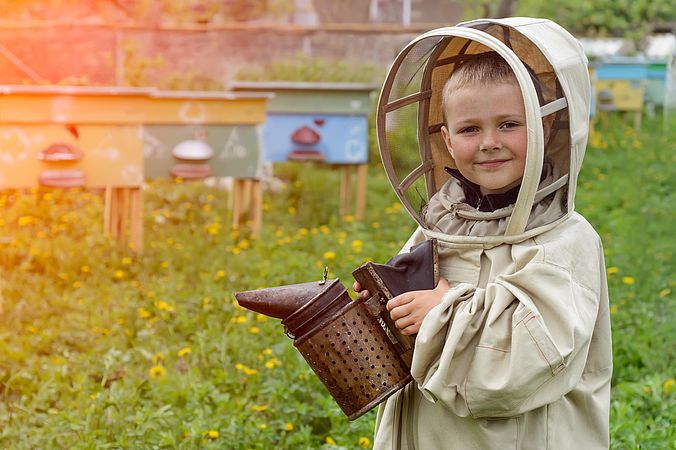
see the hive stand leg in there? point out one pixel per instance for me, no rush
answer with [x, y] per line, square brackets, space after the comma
[345, 189]
[256, 206]
[123, 214]
[637, 120]
[237, 188]
[115, 214]
[107, 211]
[362, 176]
[136, 225]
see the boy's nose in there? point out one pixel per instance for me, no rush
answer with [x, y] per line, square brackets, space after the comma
[490, 141]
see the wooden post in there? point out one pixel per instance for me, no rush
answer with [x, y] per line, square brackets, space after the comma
[345, 189]
[236, 202]
[108, 211]
[122, 213]
[136, 220]
[362, 176]
[256, 206]
[124, 206]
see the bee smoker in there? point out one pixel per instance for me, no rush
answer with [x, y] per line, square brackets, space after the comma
[352, 345]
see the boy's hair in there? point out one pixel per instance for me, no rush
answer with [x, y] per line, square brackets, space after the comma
[482, 69]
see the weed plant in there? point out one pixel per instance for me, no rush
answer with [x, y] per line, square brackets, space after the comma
[102, 347]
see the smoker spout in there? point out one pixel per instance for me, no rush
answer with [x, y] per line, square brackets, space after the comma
[280, 301]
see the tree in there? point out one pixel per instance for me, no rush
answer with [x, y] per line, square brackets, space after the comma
[633, 19]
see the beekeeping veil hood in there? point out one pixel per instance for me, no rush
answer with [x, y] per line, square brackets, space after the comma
[409, 120]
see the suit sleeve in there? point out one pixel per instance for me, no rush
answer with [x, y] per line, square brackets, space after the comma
[517, 344]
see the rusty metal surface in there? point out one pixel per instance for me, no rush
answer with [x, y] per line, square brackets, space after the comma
[355, 359]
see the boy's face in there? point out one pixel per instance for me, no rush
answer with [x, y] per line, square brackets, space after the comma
[486, 134]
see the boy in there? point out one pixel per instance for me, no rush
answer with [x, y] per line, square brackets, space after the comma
[513, 346]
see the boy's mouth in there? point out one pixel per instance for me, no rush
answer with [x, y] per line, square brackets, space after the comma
[492, 163]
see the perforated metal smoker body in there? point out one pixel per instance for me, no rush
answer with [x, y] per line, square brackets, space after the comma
[355, 359]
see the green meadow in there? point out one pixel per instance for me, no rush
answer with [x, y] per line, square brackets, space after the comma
[101, 347]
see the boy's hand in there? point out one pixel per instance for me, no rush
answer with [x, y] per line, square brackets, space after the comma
[363, 293]
[410, 308]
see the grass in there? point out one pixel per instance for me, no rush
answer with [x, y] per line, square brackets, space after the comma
[104, 348]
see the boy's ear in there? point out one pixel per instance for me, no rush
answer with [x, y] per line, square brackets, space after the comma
[547, 122]
[447, 139]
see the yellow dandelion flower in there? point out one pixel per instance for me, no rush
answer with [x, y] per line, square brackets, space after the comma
[126, 261]
[213, 228]
[85, 269]
[32, 329]
[665, 292]
[348, 219]
[254, 330]
[669, 386]
[244, 244]
[158, 358]
[220, 274]
[77, 284]
[25, 220]
[292, 211]
[288, 426]
[240, 319]
[330, 255]
[184, 351]
[272, 363]
[330, 440]
[375, 225]
[259, 408]
[164, 264]
[628, 280]
[161, 305]
[212, 434]
[364, 442]
[262, 426]
[612, 270]
[143, 313]
[613, 310]
[249, 371]
[157, 371]
[239, 366]
[324, 229]
[279, 233]
[150, 294]
[302, 232]
[119, 274]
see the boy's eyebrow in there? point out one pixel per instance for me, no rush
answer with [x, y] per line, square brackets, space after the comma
[516, 117]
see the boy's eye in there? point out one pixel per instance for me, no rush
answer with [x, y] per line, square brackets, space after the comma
[510, 125]
[468, 130]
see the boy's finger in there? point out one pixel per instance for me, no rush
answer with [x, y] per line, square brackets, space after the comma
[364, 295]
[411, 329]
[356, 286]
[399, 312]
[399, 300]
[404, 322]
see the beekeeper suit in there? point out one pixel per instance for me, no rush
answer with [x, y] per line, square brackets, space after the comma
[518, 353]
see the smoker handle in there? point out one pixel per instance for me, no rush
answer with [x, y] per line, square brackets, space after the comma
[376, 306]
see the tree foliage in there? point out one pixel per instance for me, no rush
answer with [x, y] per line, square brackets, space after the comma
[633, 19]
